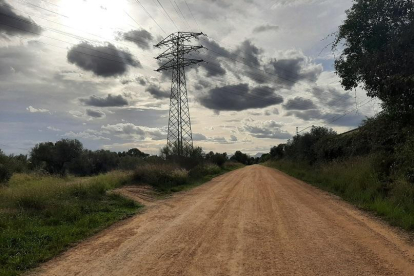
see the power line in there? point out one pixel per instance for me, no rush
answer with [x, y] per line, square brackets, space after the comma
[30, 4]
[119, 61]
[132, 19]
[185, 19]
[336, 118]
[168, 15]
[192, 14]
[176, 11]
[74, 36]
[80, 38]
[151, 16]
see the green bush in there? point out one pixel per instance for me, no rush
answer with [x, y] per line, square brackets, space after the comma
[5, 173]
[40, 216]
[161, 176]
[205, 169]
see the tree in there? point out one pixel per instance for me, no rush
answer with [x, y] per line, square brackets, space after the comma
[55, 158]
[241, 158]
[378, 38]
[136, 153]
[278, 152]
[5, 171]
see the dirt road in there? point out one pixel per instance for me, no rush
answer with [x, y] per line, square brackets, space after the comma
[254, 221]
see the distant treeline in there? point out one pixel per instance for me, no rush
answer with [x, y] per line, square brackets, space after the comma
[390, 141]
[70, 157]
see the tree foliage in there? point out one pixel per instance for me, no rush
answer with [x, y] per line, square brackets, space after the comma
[378, 40]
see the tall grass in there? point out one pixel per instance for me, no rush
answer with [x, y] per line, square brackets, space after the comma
[359, 181]
[168, 178]
[42, 215]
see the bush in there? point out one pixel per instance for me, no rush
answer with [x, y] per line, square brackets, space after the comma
[5, 173]
[5, 170]
[129, 163]
[205, 169]
[161, 176]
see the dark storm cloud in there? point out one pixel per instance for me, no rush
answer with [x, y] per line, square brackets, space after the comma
[211, 55]
[239, 97]
[247, 60]
[338, 119]
[109, 101]
[95, 113]
[290, 70]
[142, 38]
[299, 103]
[264, 129]
[104, 61]
[157, 92]
[14, 24]
[249, 53]
[265, 28]
[332, 97]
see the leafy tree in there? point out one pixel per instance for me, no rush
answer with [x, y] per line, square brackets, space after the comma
[278, 152]
[378, 40]
[136, 153]
[5, 171]
[241, 158]
[217, 158]
[55, 158]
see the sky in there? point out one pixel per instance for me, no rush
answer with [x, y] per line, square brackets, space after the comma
[85, 69]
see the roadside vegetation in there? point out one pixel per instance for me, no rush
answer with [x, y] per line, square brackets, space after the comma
[40, 215]
[372, 166]
[61, 193]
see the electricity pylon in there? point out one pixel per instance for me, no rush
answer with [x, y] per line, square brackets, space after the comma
[180, 138]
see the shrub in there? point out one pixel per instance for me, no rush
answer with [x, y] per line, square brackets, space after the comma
[5, 170]
[204, 170]
[161, 176]
[129, 163]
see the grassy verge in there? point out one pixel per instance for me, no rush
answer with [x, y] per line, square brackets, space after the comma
[168, 178]
[357, 180]
[40, 216]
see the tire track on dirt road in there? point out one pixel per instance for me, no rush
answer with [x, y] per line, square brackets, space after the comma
[253, 221]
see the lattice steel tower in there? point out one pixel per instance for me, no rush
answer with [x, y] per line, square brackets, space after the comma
[180, 138]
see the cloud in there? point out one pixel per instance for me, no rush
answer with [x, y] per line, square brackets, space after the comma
[157, 92]
[273, 111]
[13, 24]
[265, 28]
[109, 101]
[199, 137]
[213, 66]
[337, 119]
[299, 103]
[53, 129]
[31, 109]
[85, 135]
[141, 38]
[264, 129]
[233, 138]
[95, 113]
[293, 67]
[239, 97]
[103, 61]
[332, 97]
[133, 132]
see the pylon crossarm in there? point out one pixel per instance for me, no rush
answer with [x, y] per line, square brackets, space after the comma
[185, 50]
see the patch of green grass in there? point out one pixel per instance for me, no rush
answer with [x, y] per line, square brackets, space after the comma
[169, 178]
[357, 181]
[40, 216]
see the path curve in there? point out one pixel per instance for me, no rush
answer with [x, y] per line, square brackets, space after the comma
[253, 221]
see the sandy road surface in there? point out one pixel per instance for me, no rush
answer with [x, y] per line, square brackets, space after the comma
[254, 221]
